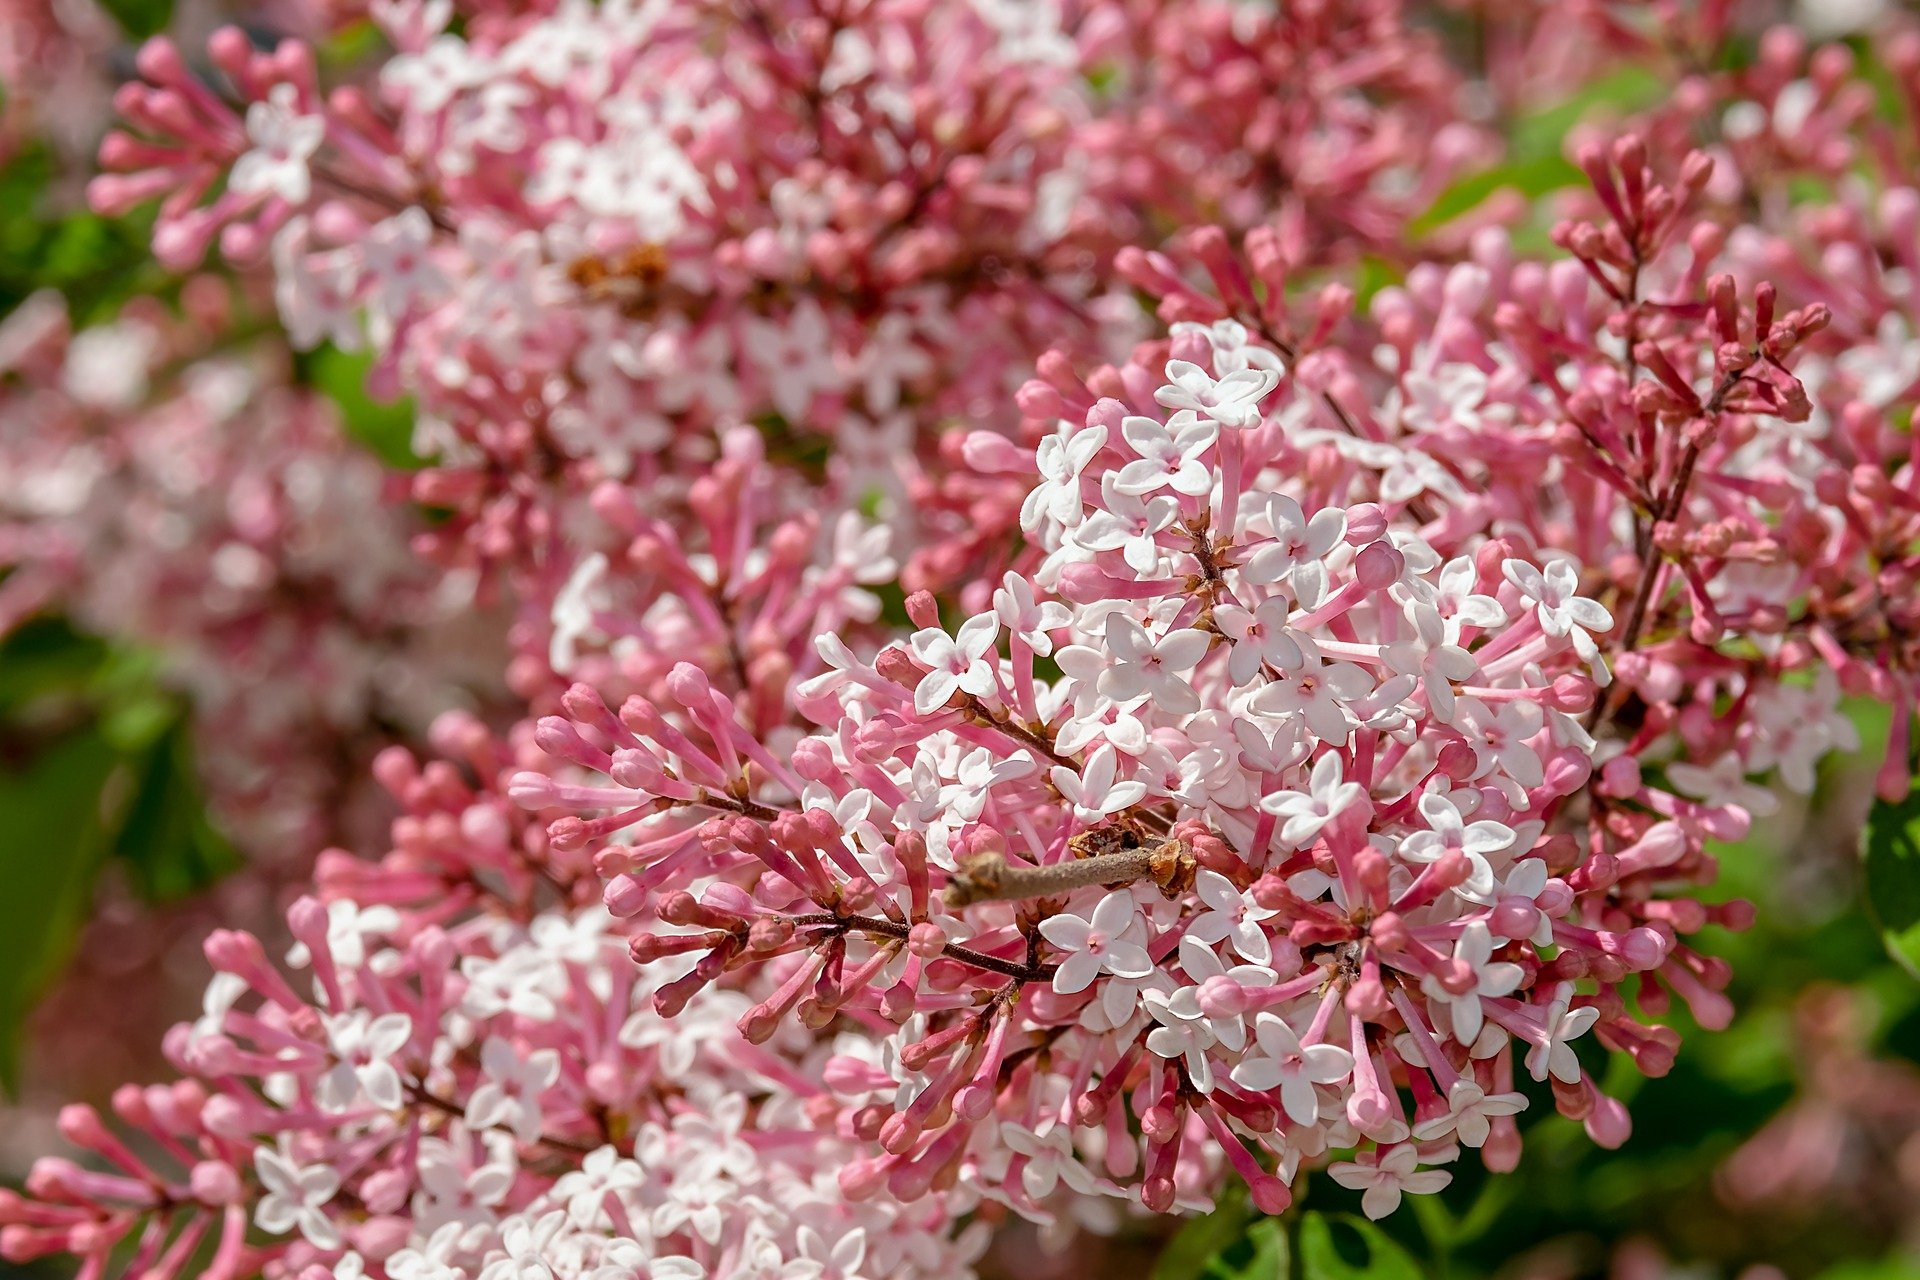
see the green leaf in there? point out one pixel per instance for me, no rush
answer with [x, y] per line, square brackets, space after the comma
[1343, 1247]
[97, 263]
[1891, 859]
[1535, 163]
[1231, 1243]
[1627, 90]
[53, 836]
[96, 763]
[384, 426]
[169, 847]
[1375, 274]
[1531, 178]
[1194, 1247]
[45, 666]
[1894, 1267]
[140, 18]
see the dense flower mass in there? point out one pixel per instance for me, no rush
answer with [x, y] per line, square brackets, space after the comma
[1042, 696]
[1284, 831]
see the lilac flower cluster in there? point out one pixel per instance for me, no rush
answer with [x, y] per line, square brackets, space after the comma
[1039, 701]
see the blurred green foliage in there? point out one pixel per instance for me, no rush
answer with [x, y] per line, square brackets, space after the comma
[1535, 163]
[1891, 864]
[140, 18]
[97, 263]
[383, 426]
[96, 757]
[96, 772]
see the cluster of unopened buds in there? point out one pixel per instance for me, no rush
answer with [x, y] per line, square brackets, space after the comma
[1295, 746]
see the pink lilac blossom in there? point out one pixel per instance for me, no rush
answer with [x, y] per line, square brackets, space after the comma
[1323, 718]
[1457, 751]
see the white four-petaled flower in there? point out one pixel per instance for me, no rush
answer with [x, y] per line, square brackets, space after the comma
[1327, 796]
[1232, 400]
[1106, 942]
[958, 662]
[296, 1196]
[1473, 951]
[1381, 1177]
[363, 1047]
[1294, 1069]
[1096, 791]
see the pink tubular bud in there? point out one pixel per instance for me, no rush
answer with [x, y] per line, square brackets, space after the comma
[991, 453]
[769, 934]
[689, 685]
[1573, 694]
[923, 609]
[1601, 871]
[307, 920]
[899, 1133]
[234, 951]
[1607, 1122]
[1502, 1149]
[624, 896]
[1157, 1193]
[1378, 566]
[926, 940]
[1367, 998]
[80, 1125]
[670, 1000]
[857, 894]
[1736, 915]
[896, 665]
[1366, 523]
[1270, 1195]
[1389, 932]
[385, 1191]
[645, 948]
[395, 769]
[1160, 1123]
[1620, 776]
[1515, 918]
[1663, 844]
[1086, 583]
[864, 1179]
[567, 834]
[1640, 948]
[1567, 773]
[1222, 997]
[1696, 171]
[532, 790]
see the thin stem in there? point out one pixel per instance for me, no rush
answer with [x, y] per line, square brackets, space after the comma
[952, 950]
[1656, 558]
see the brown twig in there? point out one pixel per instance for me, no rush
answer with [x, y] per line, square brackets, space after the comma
[952, 950]
[989, 877]
[1656, 559]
